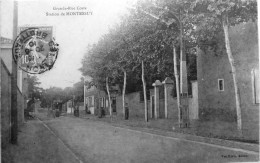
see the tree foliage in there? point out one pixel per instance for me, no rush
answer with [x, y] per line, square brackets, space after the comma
[137, 38]
[33, 87]
[140, 37]
[76, 92]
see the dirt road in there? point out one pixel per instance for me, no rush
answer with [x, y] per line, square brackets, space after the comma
[94, 141]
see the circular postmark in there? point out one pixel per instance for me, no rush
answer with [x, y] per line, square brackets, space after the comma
[34, 51]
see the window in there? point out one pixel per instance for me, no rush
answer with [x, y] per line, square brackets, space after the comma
[106, 102]
[113, 99]
[255, 86]
[91, 101]
[102, 102]
[221, 84]
[69, 104]
[86, 100]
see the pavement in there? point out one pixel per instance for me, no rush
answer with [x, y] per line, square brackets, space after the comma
[36, 144]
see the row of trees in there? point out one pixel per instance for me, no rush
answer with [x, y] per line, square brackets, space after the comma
[139, 50]
[47, 96]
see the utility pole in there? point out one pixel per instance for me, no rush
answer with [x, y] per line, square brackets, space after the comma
[183, 63]
[84, 87]
[0, 70]
[177, 84]
[14, 118]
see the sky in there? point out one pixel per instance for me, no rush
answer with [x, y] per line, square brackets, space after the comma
[73, 33]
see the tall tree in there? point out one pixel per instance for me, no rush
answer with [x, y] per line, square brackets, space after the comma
[78, 90]
[34, 91]
[144, 91]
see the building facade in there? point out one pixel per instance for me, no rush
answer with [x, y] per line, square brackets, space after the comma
[22, 90]
[216, 95]
[97, 101]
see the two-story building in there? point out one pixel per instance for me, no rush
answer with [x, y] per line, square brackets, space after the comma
[216, 94]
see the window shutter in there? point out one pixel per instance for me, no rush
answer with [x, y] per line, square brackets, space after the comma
[92, 98]
[255, 86]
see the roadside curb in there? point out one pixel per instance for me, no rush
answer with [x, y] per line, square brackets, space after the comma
[246, 147]
[249, 148]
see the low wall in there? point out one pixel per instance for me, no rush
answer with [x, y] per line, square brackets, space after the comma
[136, 108]
[161, 108]
[250, 123]
[172, 108]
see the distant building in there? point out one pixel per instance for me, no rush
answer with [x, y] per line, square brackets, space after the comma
[97, 100]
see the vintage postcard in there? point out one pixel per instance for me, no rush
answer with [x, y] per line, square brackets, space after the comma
[120, 81]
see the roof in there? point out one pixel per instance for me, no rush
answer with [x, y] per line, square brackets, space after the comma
[6, 43]
[6, 40]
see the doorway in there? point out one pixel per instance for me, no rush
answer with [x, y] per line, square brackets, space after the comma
[152, 111]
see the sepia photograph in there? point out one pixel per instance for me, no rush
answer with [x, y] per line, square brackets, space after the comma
[129, 81]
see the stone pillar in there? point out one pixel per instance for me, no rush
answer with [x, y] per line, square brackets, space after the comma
[156, 85]
[194, 107]
[168, 85]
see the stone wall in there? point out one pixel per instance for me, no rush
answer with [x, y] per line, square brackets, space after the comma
[136, 107]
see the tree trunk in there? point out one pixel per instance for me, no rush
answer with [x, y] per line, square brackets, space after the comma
[84, 93]
[109, 97]
[144, 91]
[181, 54]
[123, 94]
[98, 102]
[177, 85]
[233, 70]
